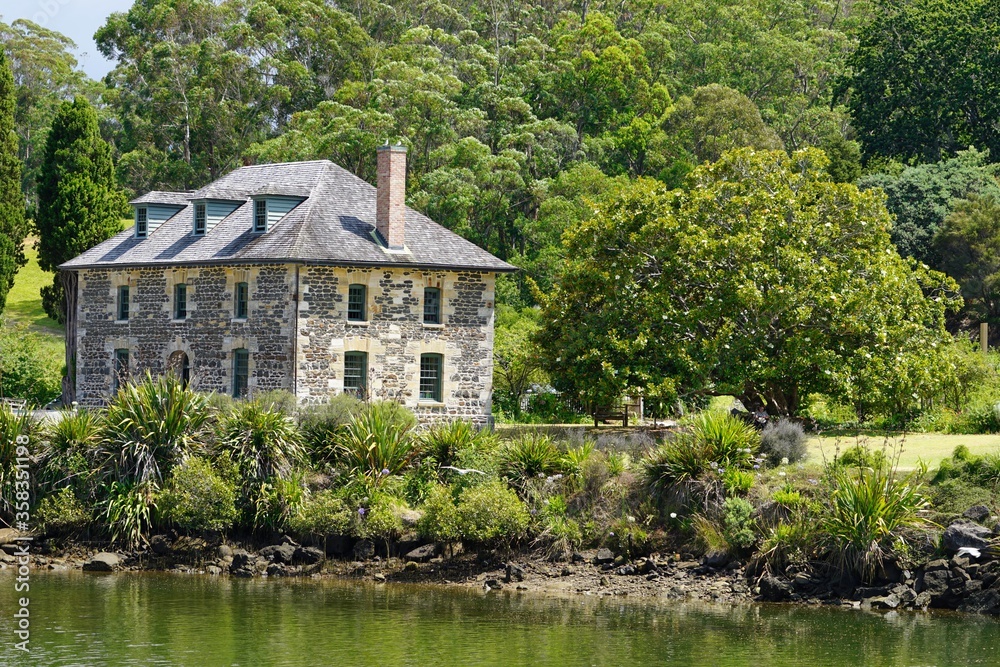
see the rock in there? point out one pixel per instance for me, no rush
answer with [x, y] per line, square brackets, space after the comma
[103, 562]
[716, 559]
[160, 544]
[225, 551]
[935, 583]
[421, 554]
[278, 553]
[773, 589]
[285, 539]
[939, 564]
[410, 518]
[9, 548]
[922, 601]
[308, 555]
[379, 577]
[803, 582]
[7, 558]
[492, 584]
[604, 557]
[605, 581]
[888, 602]
[364, 550]
[242, 559]
[513, 572]
[578, 557]
[965, 534]
[978, 513]
[213, 569]
[410, 566]
[865, 592]
[626, 570]
[982, 602]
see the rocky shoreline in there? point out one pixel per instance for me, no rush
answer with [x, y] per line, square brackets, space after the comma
[963, 575]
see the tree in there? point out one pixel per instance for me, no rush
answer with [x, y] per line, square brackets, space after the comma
[79, 202]
[13, 227]
[517, 366]
[969, 246]
[764, 279]
[920, 197]
[925, 79]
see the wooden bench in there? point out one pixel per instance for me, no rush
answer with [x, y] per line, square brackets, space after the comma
[605, 414]
[14, 403]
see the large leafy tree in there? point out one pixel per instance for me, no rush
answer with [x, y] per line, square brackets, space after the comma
[925, 79]
[920, 197]
[969, 246]
[13, 227]
[764, 279]
[79, 201]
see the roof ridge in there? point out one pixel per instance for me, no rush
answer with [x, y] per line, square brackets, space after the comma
[303, 227]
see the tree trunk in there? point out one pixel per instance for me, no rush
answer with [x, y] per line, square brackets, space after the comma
[69, 282]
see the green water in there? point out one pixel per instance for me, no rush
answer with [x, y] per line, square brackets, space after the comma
[154, 619]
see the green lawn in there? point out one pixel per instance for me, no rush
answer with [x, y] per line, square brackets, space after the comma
[927, 447]
[24, 302]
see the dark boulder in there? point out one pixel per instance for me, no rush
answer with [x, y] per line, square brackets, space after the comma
[966, 534]
[977, 513]
[514, 572]
[160, 544]
[773, 589]
[604, 557]
[103, 562]
[309, 555]
[364, 550]
[278, 553]
[421, 554]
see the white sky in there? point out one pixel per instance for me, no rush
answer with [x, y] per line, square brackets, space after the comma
[77, 19]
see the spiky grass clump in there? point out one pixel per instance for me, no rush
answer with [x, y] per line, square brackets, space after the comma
[150, 427]
[65, 459]
[263, 443]
[868, 508]
[14, 431]
[448, 442]
[531, 455]
[377, 444]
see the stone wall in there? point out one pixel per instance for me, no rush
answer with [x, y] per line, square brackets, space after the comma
[208, 334]
[394, 335]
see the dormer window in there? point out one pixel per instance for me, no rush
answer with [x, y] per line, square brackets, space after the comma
[199, 219]
[141, 222]
[260, 215]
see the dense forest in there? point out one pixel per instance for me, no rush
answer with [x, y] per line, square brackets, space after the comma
[522, 117]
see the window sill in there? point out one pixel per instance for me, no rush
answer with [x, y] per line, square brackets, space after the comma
[429, 403]
[178, 320]
[358, 323]
[122, 321]
[240, 320]
[432, 325]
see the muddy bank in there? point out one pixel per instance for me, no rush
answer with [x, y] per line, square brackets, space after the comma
[963, 574]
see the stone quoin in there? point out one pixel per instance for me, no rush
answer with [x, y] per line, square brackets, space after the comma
[296, 276]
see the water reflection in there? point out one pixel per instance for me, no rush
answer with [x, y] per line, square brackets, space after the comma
[156, 619]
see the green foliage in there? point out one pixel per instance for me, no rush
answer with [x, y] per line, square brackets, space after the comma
[738, 525]
[917, 84]
[529, 456]
[13, 227]
[516, 364]
[197, 498]
[783, 439]
[79, 202]
[490, 514]
[274, 501]
[867, 510]
[862, 456]
[322, 514]
[148, 428]
[61, 512]
[319, 424]
[66, 457]
[377, 444]
[968, 245]
[627, 537]
[729, 440]
[380, 520]
[921, 197]
[440, 519]
[765, 280]
[788, 497]
[15, 429]
[263, 443]
[26, 370]
[737, 481]
[982, 471]
[127, 509]
[448, 443]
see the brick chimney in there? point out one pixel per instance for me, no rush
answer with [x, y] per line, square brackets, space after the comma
[390, 207]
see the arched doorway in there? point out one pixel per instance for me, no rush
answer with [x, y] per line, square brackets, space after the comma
[179, 365]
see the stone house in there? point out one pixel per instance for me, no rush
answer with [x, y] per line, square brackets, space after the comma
[296, 276]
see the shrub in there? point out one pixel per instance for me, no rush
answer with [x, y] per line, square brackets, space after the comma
[783, 439]
[738, 481]
[865, 514]
[575, 460]
[529, 456]
[729, 441]
[379, 519]
[127, 508]
[788, 497]
[448, 442]
[148, 428]
[981, 418]
[440, 519]
[738, 524]
[491, 514]
[64, 456]
[627, 537]
[862, 456]
[320, 423]
[377, 443]
[61, 512]
[954, 496]
[321, 514]
[12, 426]
[197, 498]
[27, 370]
[983, 471]
[275, 500]
[277, 400]
[264, 443]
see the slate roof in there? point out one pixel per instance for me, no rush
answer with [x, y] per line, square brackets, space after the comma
[334, 224]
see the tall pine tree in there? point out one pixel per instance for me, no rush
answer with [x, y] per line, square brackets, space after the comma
[13, 227]
[79, 202]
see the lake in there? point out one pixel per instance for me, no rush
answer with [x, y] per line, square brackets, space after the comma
[166, 619]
